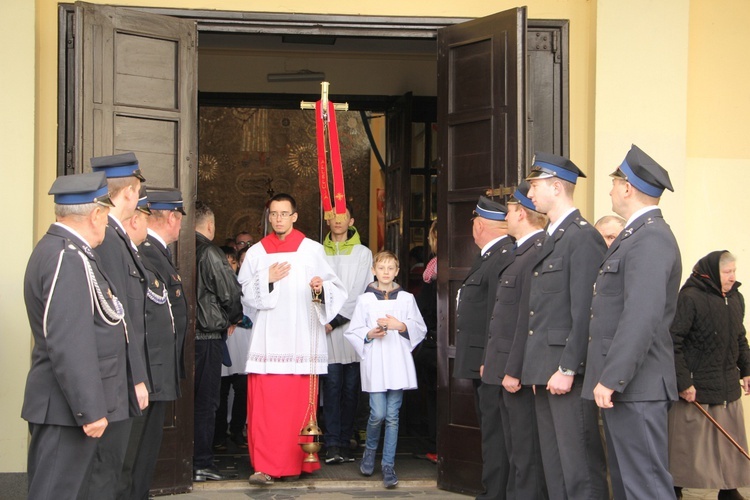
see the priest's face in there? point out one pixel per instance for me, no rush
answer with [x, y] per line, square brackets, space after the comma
[282, 217]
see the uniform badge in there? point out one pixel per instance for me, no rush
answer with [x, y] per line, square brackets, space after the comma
[178, 292]
[156, 283]
[176, 277]
[109, 293]
[87, 251]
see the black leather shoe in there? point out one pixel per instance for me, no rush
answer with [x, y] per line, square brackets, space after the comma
[730, 495]
[210, 474]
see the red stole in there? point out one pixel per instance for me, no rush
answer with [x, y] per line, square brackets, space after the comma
[272, 243]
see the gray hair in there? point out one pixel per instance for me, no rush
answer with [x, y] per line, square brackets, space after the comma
[83, 209]
[726, 258]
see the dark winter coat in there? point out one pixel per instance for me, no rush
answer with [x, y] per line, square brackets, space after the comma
[711, 349]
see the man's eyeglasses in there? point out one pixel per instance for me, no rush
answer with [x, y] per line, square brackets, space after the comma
[243, 243]
[280, 215]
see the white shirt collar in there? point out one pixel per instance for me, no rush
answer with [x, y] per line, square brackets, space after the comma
[74, 232]
[640, 212]
[157, 237]
[118, 222]
[489, 245]
[553, 227]
[523, 239]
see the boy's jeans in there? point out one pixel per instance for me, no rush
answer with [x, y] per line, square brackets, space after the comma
[384, 406]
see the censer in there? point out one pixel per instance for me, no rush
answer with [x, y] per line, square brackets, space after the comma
[310, 434]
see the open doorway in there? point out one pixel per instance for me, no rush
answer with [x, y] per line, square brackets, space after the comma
[254, 141]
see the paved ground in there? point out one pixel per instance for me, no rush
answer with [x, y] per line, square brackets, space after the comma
[314, 491]
[418, 479]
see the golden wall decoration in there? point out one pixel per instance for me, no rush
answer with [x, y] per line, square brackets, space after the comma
[246, 152]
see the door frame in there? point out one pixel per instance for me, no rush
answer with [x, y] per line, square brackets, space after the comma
[312, 25]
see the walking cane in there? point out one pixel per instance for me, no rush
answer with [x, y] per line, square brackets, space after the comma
[718, 426]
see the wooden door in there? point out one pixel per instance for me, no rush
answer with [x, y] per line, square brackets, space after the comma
[398, 156]
[136, 90]
[547, 92]
[481, 124]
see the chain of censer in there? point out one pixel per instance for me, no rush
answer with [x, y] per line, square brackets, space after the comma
[313, 377]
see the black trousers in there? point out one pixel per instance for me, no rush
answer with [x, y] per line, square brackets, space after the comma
[58, 461]
[637, 441]
[208, 355]
[105, 469]
[496, 477]
[572, 450]
[143, 451]
[237, 383]
[522, 443]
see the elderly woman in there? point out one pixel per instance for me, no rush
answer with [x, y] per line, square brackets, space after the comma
[711, 359]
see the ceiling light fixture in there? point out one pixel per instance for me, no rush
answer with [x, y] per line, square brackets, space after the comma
[303, 75]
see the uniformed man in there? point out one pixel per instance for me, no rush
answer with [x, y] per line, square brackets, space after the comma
[630, 371]
[472, 315]
[558, 333]
[163, 229]
[146, 432]
[77, 386]
[126, 272]
[503, 358]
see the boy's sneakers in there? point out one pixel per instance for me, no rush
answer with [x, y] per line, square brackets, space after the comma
[368, 462]
[333, 456]
[390, 479]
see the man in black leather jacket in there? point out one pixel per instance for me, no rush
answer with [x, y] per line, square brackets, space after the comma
[219, 310]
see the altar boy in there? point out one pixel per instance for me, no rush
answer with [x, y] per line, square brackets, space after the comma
[385, 327]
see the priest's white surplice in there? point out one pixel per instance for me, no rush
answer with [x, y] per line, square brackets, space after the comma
[288, 332]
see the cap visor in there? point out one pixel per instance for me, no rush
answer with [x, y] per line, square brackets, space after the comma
[104, 201]
[619, 174]
[538, 174]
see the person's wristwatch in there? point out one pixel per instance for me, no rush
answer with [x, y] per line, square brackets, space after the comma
[565, 371]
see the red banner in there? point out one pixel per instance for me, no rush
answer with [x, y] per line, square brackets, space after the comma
[337, 208]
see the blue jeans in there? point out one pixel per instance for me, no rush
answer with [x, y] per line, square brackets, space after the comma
[340, 396]
[384, 406]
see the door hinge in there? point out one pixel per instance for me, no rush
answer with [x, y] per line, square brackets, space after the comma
[556, 52]
[70, 40]
[69, 166]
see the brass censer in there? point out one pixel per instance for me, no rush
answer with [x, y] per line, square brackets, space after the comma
[309, 440]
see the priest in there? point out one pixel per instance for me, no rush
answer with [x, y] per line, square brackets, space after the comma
[286, 279]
